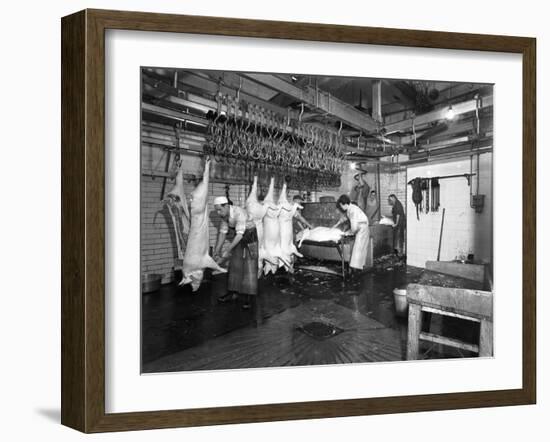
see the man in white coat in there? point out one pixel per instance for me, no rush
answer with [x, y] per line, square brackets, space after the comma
[359, 226]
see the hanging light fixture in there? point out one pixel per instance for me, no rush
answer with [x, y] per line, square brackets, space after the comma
[450, 113]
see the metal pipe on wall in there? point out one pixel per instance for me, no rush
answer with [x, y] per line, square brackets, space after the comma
[378, 187]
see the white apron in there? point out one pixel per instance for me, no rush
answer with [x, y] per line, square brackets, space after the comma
[360, 249]
[359, 224]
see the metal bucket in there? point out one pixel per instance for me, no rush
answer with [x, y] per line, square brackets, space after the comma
[150, 282]
[401, 303]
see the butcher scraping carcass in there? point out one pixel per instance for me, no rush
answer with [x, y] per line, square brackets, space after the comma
[286, 215]
[196, 257]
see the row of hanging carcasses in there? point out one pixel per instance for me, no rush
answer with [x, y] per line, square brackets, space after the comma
[273, 221]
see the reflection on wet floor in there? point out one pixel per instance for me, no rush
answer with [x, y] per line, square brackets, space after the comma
[182, 330]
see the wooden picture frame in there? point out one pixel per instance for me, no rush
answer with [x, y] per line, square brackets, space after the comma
[83, 220]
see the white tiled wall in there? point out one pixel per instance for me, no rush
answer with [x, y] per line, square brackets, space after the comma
[464, 230]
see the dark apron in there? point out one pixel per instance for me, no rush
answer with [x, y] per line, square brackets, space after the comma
[243, 265]
[399, 237]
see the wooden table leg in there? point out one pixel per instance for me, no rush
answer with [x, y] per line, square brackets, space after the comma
[486, 338]
[343, 262]
[415, 324]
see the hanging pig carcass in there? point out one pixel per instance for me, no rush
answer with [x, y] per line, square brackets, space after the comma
[320, 234]
[196, 257]
[256, 211]
[286, 215]
[274, 257]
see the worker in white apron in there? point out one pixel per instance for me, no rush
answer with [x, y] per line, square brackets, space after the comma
[359, 226]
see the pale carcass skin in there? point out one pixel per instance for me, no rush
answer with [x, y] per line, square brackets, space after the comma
[196, 257]
[286, 215]
[256, 211]
[320, 234]
[385, 221]
[272, 233]
[177, 206]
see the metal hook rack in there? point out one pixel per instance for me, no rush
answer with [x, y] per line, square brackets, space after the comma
[468, 177]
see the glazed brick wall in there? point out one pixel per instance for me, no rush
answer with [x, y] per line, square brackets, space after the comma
[158, 244]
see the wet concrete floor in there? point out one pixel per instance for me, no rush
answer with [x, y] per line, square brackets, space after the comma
[175, 320]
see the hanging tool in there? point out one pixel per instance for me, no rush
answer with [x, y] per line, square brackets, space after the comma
[440, 235]
[416, 194]
[435, 194]
[432, 196]
[168, 155]
[424, 189]
[427, 181]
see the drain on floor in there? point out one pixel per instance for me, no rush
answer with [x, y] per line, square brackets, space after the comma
[320, 330]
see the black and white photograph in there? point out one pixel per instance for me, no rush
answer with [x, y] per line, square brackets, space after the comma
[275, 221]
[302, 220]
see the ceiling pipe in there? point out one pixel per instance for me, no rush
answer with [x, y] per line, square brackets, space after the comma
[447, 156]
[453, 141]
[439, 114]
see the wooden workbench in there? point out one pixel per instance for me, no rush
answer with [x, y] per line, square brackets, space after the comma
[449, 296]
